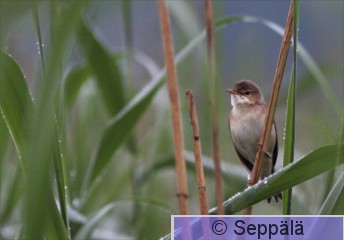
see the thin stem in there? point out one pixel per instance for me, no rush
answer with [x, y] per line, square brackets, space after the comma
[214, 120]
[290, 117]
[257, 168]
[39, 36]
[173, 90]
[202, 192]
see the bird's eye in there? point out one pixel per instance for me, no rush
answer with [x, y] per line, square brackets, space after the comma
[247, 92]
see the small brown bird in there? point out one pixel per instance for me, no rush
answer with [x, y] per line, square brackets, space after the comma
[246, 122]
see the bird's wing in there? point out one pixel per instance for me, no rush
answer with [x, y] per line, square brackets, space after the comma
[275, 152]
[246, 162]
[249, 165]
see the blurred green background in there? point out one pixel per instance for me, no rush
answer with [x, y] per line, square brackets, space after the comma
[99, 60]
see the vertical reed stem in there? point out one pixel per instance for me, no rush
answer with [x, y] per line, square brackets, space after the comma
[173, 90]
[213, 99]
[257, 168]
[202, 192]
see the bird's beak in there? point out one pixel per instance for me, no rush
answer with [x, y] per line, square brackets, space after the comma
[232, 91]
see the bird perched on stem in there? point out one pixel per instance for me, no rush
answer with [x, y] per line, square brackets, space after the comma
[246, 123]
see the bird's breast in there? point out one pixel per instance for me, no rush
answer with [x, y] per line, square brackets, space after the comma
[246, 126]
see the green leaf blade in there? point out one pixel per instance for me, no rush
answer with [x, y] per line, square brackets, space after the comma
[311, 165]
[15, 101]
[290, 117]
[86, 231]
[120, 126]
[105, 69]
[334, 199]
[73, 83]
[289, 140]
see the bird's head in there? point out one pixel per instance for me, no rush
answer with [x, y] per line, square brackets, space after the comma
[245, 93]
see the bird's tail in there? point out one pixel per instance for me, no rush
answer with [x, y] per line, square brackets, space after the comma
[277, 197]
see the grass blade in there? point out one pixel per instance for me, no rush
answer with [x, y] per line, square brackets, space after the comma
[313, 164]
[105, 69]
[56, 153]
[290, 117]
[60, 177]
[10, 200]
[15, 102]
[4, 137]
[17, 109]
[288, 156]
[127, 23]
[41, 144]
[86, 231]
[119, 128]
[73, 83]
[335, 197]
[231, 172]
[55, 225]
[4, 149]
[39, 36]
[109, 81]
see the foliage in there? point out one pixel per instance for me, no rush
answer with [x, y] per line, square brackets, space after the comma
[86, 153]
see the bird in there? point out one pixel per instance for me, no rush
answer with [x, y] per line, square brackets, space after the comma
[246, 122]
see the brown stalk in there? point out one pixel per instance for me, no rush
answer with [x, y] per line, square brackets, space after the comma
[262, 146]
[173, 90]
[214, 121]
[202, 192]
